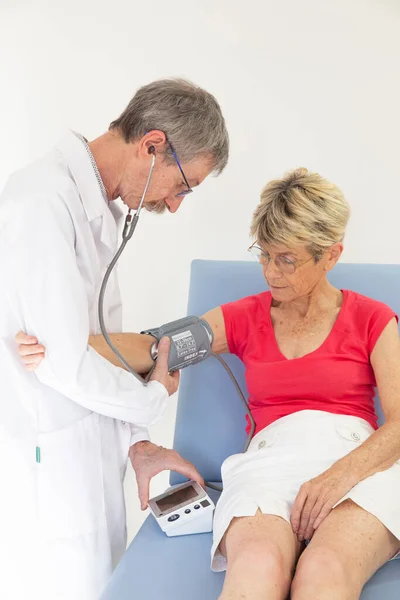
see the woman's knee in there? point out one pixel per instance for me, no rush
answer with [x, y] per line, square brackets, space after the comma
[262, 557]
[261, 546]
[322, 566]
[257, 550]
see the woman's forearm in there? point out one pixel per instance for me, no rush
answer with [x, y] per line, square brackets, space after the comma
[379, 452]
[134, 347]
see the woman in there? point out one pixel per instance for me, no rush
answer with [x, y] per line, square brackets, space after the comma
[318, 468]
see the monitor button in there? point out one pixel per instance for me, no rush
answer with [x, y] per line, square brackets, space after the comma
[196, 506]
[173, 518]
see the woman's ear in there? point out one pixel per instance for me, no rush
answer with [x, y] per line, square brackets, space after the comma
[334, 253]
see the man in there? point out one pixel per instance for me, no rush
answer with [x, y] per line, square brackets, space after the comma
[67, 428]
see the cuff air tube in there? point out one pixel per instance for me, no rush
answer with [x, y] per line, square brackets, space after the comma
[191, 339]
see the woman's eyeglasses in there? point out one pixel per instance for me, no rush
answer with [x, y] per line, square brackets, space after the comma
[284, 264]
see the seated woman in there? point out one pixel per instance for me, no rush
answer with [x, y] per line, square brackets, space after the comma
[318, 468]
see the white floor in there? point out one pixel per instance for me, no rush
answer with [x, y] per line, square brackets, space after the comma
[161, 434]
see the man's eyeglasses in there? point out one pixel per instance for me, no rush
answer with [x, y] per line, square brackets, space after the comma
[174, 154]
[189, 189]
[284, 264]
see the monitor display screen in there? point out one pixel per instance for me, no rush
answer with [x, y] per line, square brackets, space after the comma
[184, 495]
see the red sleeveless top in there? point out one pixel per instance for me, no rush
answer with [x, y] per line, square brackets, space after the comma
[337, 377]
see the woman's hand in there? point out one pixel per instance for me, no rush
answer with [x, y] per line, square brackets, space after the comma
[31, 352]
[317, 497]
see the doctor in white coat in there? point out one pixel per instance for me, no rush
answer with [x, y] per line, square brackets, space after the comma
[66, 429]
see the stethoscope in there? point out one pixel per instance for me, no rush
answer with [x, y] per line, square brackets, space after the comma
[127, 233]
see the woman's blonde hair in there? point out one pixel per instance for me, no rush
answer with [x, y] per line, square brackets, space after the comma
[302, 208]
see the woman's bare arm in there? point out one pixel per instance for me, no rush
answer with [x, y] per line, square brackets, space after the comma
[378, 452]
[134, 347]
[215, 319]
[382, 449]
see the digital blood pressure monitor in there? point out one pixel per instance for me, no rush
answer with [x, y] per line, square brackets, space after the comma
[183, 509]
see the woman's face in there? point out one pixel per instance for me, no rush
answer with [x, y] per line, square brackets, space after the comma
[293, 273]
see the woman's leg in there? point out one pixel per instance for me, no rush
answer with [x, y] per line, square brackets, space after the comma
[345, 551]
[261, 553]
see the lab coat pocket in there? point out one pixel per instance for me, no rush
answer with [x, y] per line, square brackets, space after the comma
[70, 480]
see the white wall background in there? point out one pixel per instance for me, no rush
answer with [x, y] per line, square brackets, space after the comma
[307, 83]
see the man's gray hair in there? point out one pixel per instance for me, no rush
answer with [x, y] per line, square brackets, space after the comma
[190, 117]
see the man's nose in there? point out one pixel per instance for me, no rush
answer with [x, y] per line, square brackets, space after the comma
[173, 203]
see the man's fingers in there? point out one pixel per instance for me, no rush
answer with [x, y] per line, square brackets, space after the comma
[176, 375]
[143, 483]
[163, 352]
[187, 469]
[161, 373]
[31, 368]
[33, 359]
[175, 462]
[23, 338]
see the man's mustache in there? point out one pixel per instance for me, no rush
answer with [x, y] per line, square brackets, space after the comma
[155, 207]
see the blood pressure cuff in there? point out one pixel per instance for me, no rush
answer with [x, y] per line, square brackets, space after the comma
[191, 339]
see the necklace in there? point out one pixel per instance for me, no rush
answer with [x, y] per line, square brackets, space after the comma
[95, 167]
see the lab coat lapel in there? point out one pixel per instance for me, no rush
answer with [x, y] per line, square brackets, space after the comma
[108, 233]
[95, 205]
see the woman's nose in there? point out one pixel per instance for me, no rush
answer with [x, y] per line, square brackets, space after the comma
[273, 271]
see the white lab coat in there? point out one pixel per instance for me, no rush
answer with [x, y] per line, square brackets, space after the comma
[65, 429]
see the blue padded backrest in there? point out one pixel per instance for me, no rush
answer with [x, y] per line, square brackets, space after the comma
[210, 421]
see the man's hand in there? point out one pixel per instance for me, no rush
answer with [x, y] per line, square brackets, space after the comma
[30, 351]
[148, 460]
[160, 373]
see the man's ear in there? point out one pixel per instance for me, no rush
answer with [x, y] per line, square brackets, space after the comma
[152, 142]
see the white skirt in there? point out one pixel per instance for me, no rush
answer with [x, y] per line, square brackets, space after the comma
[290, 452]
